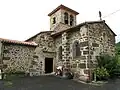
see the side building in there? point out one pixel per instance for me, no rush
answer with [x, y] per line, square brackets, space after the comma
[16, 56]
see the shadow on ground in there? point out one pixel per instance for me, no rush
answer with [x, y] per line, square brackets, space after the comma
[54, 83]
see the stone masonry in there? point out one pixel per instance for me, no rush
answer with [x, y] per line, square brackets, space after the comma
[45, 49]
[75, 47]
[16, 58]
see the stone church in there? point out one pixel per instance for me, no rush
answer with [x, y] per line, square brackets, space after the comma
[73, 46]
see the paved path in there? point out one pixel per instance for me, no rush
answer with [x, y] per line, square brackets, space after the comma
[54, 83]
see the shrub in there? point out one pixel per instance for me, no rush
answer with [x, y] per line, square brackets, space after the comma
[101, 73]
[107, 66]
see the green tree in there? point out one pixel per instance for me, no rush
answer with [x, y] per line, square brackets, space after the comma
[107, 66]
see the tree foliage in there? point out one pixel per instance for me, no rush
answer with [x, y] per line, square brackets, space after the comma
[110, 63]
[108, 66]
[101, 73]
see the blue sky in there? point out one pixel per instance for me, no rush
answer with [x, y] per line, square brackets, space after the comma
[21, 19]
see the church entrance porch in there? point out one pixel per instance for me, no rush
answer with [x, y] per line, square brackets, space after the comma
[48, 65]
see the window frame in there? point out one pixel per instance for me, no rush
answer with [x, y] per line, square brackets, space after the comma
[76, 49]
[71, 20]
[54, 20]
[60, 53]
[66, 18]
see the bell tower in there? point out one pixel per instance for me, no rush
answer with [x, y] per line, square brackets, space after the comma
[62, 18]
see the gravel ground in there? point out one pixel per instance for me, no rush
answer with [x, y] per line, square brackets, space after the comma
[54, 83]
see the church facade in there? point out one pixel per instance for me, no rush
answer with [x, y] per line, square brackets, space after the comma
[66, 44]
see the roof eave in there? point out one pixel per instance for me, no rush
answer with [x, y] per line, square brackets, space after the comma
[62, 7]
[19, 44]
[36, 35]
[84, 23]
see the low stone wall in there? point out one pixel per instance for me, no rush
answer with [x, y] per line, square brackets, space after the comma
[17, 58]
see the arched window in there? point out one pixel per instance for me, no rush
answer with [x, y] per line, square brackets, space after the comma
[66, 18]
[60, 53]
[71, 20]
[76, 49]
[54, 20]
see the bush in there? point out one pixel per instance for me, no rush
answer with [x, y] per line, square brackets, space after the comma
[107, 66]
[101, 73]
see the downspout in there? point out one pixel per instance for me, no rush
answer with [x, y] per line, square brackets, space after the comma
[89, 66]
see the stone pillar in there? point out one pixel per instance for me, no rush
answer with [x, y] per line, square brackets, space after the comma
[65, 51]
[87, 71]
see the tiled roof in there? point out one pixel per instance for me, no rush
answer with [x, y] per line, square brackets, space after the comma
[81, 24]
[38, 34]
[59, 30]
[62, 7]
[18, 42]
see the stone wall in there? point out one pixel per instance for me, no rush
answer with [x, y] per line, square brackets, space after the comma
[45, 49]
[94, 38]
[58, 44]
[101, 40]
[79, 64]
[57, 16]
[16, 57]
[65, 50]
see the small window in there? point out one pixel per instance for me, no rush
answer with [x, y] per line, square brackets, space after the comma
[54, 20]
[60, 53]
[66, 18]
[76, 49]
[71, 20]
